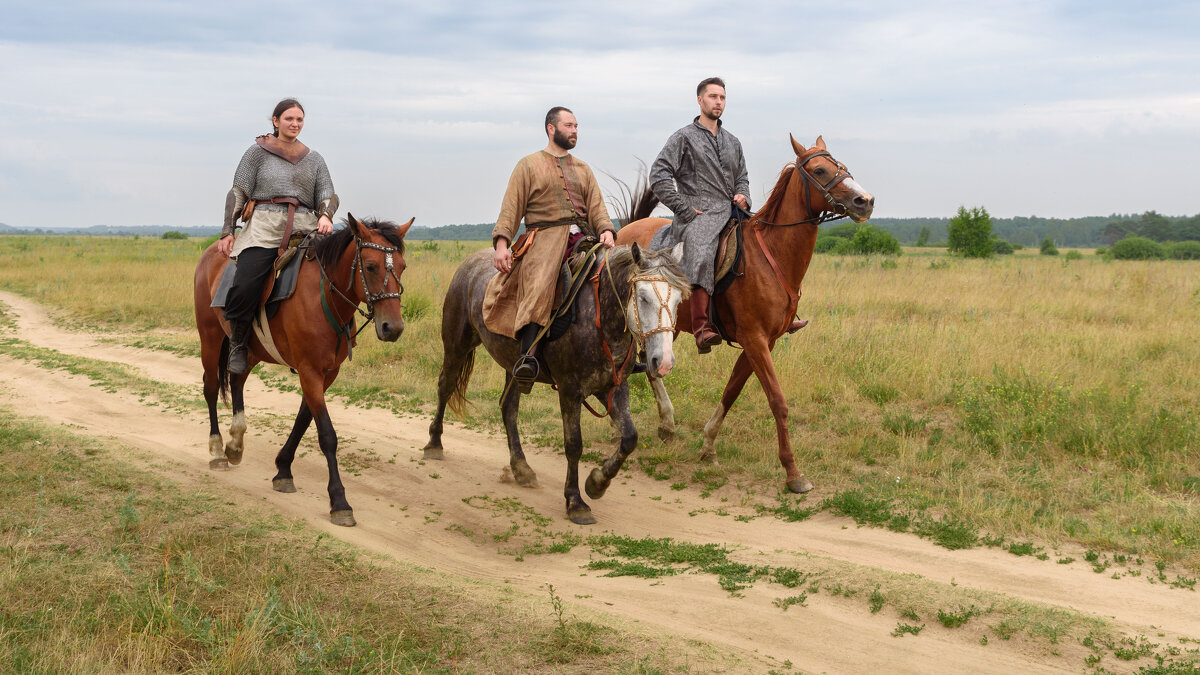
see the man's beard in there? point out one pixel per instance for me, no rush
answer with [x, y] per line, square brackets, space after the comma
[713, 115]
[564, 141]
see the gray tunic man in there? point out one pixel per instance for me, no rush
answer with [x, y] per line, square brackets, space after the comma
[699, 174]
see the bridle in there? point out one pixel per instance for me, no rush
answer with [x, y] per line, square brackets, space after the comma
[664, 306]
[369, 297]
[811, 182]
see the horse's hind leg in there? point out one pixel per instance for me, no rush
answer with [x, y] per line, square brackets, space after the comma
[600, 478]
[733, 388]
[457, 364]
[282, 482]
[216, 445]
[509, 405]
[577, 509]
[237, 428]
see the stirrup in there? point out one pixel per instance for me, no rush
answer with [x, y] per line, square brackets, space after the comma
[706, 339]
[525, 372]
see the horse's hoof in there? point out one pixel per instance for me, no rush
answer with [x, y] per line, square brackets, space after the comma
[524, 475]
[800, 485]
[596, 484]
[234, 455]
[708, 457]
[283, 485]
[344, 518]
[665, 434]
[216, 446]
[432, 452]
[219, 464]
[582, 516]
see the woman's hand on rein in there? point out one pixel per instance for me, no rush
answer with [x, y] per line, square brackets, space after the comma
[324, 225]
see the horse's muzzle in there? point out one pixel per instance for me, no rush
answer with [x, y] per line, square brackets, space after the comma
[388, 331]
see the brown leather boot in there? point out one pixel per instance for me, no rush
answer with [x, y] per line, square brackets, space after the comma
[702, 328]
[527, 368]
[797, 324]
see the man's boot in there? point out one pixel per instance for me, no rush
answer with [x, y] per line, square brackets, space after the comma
[797, 324]
[702, 328]
[239, 332]
[526, 369]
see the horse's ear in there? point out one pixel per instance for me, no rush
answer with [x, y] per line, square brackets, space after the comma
[796, 147]
[820, 143]
[403, 229]
[677, 252]
[354, 224]
[636, 252]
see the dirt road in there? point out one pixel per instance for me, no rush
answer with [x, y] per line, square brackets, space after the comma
[435, 514]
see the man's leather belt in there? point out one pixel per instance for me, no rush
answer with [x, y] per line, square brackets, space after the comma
[557, 223]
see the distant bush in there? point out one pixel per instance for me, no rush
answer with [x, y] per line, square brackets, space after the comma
[1183, 250]
[845, 230]
[826, 244]
[870, 239]
[1073, 255]
[1048, 247]
[1001, 247]
[1137, 248]
[173, 234]
[1101, 251]
[970, 233]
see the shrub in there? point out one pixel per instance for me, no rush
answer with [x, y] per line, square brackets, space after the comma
[1137, 248]
[870, 239]
[1101, 251]
[970, 233]
[173, 234]
[1073, 255]
[923, 236]
[1048, 247]
[825, 244]
[1183, 250]
[1001, 247]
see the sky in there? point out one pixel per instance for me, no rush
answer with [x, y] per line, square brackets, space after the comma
[136, 112]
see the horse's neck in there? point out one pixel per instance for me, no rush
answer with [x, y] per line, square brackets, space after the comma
[612, 308]
[341, 277]
[790, 246]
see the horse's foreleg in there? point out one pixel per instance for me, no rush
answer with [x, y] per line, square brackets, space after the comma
[509, 405]
[666, 409]
[600, 478]
[313, 385]
[760, 358]
[733, 388]
[577, 509]
[237, 428]
[282, 482]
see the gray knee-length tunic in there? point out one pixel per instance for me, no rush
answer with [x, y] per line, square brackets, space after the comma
[697, 170]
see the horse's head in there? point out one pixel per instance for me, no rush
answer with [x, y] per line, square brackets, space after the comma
[832, 179]
[379, 259]
[657, 286]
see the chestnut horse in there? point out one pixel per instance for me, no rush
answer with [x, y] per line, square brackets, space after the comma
[312, 334]
[758, 307]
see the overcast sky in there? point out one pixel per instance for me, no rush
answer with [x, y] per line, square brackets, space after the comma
[135, 112]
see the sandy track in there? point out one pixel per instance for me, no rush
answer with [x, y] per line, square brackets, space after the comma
[405, 507]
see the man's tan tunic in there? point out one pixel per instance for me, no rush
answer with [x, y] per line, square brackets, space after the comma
[536, 193]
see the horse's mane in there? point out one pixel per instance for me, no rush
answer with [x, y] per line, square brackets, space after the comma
[328, 249]
[770, 208]
[624, 268]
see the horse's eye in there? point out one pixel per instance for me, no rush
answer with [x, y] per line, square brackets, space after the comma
[371, 267]
[819, 170]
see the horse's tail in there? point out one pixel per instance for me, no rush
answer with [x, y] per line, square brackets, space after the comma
[223, 369]
[636, 202]
[458, 398]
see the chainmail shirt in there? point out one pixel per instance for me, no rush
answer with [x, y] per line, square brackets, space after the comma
[263, 176]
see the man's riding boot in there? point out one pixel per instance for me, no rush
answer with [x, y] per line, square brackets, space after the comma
[526, 369]
[702, 328]
[239, 332]
[797, 324]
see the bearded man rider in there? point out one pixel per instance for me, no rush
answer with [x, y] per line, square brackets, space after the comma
[557, 196]
[700, 175]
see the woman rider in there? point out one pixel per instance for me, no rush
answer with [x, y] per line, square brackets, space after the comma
[288, 189]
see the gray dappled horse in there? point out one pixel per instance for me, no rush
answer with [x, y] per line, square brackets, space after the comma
[628, 302]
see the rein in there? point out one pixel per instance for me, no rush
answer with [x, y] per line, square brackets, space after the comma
[810, 182]
[347, 330]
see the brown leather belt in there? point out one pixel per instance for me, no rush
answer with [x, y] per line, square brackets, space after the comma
[292, 203]
[557, 223]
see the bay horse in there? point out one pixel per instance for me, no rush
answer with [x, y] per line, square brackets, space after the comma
[630, 301]
[758, 307]
[312, 333]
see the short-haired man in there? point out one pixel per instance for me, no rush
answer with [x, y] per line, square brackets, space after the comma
[557, 196]
[700, 174]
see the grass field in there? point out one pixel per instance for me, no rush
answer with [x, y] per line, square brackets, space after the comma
[1021, 401]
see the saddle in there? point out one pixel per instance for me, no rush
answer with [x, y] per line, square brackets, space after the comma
[279, 287]
[728, 263]
[575, 271]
